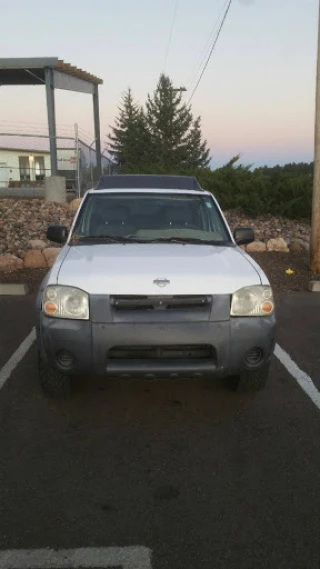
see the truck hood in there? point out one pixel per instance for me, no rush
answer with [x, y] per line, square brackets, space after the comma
[133, 268]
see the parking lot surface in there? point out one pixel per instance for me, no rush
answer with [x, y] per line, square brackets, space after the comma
[177, 475]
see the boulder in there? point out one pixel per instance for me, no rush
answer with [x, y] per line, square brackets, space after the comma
[34, 259]
[74, 205]
[37, 244]
[295, 247]
[10, 262]
[277, 244]
[256, 247]
[304, 245]
[50, 254]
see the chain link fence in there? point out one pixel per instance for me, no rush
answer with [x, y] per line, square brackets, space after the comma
[25, 161]
[88, 172]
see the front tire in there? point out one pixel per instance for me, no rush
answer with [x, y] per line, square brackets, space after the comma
[251, 381]
[53, 382]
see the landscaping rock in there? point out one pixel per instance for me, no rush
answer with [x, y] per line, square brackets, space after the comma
[74, 205]
[34, 259]
[50, 254]
[295, 247]
[23, 221]
[256, 247]
[277, 244]
[10, 262]
[24, 224]
[305, 245]
[37, 244]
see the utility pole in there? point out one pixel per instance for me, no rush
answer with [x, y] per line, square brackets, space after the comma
[315, 231]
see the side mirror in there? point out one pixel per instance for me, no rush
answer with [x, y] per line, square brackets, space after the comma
[243, 235]
[57, 233]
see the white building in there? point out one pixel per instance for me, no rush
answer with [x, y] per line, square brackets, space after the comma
[29, 167]
[25, 161]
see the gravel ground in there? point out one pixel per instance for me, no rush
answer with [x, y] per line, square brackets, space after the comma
[31, 277]
[274, 265]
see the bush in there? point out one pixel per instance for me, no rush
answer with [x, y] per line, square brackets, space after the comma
[278, 191]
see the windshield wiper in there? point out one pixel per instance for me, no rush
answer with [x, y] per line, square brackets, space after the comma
[187, 241]
[105, 238]
[120, 239]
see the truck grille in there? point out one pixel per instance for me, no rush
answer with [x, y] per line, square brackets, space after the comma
[197, 352]
[183, 302]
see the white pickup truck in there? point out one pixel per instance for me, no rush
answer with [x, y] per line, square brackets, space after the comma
[151, 283]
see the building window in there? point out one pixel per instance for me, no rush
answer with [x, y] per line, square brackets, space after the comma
[24, 167]
[39, 169]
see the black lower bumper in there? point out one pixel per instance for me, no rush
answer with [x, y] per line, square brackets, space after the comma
[151, 369]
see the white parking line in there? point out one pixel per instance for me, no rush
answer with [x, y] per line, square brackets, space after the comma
[16, 358]
[303, 379]
[84, 558]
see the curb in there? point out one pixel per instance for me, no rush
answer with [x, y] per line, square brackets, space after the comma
[314, 286]
[13, 289]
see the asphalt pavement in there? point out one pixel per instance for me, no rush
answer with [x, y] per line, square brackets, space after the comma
[198, 476]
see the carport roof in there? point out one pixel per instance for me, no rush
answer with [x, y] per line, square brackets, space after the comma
[31, 71]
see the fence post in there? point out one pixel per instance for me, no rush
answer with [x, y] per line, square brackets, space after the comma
[76, 137]
[96, 117]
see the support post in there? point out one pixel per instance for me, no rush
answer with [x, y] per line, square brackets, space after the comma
[97, 136]
[315, 230]
[49, 77]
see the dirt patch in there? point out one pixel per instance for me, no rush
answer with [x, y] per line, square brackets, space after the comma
[275, 266]
[31, 277]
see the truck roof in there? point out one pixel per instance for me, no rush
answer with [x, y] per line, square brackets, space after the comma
[148, 182]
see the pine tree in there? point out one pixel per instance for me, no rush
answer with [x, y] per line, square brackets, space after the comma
[197, 150]
[165, 138]
[168, 121]
[143, 157]
[129, 136]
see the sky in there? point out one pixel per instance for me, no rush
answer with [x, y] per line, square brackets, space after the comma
[256, 97]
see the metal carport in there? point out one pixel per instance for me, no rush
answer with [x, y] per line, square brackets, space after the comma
[54, 73]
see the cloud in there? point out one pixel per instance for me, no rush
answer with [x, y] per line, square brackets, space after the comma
[246, 2]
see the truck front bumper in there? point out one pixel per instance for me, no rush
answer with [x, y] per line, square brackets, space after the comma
[150, 350]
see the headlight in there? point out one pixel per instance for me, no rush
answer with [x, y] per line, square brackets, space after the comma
[65, 302]
[252, 301]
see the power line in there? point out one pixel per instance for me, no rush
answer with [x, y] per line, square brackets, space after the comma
[212, 49]
[202, 56]
[170, 35]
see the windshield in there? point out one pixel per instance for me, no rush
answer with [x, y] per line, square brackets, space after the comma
[142, 217]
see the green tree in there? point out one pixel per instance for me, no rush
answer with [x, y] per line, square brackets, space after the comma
[197, 150]
[169, 121]
[129, 138]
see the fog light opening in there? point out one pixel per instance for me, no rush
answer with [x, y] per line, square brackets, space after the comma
[254, 356]
[65, 359]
